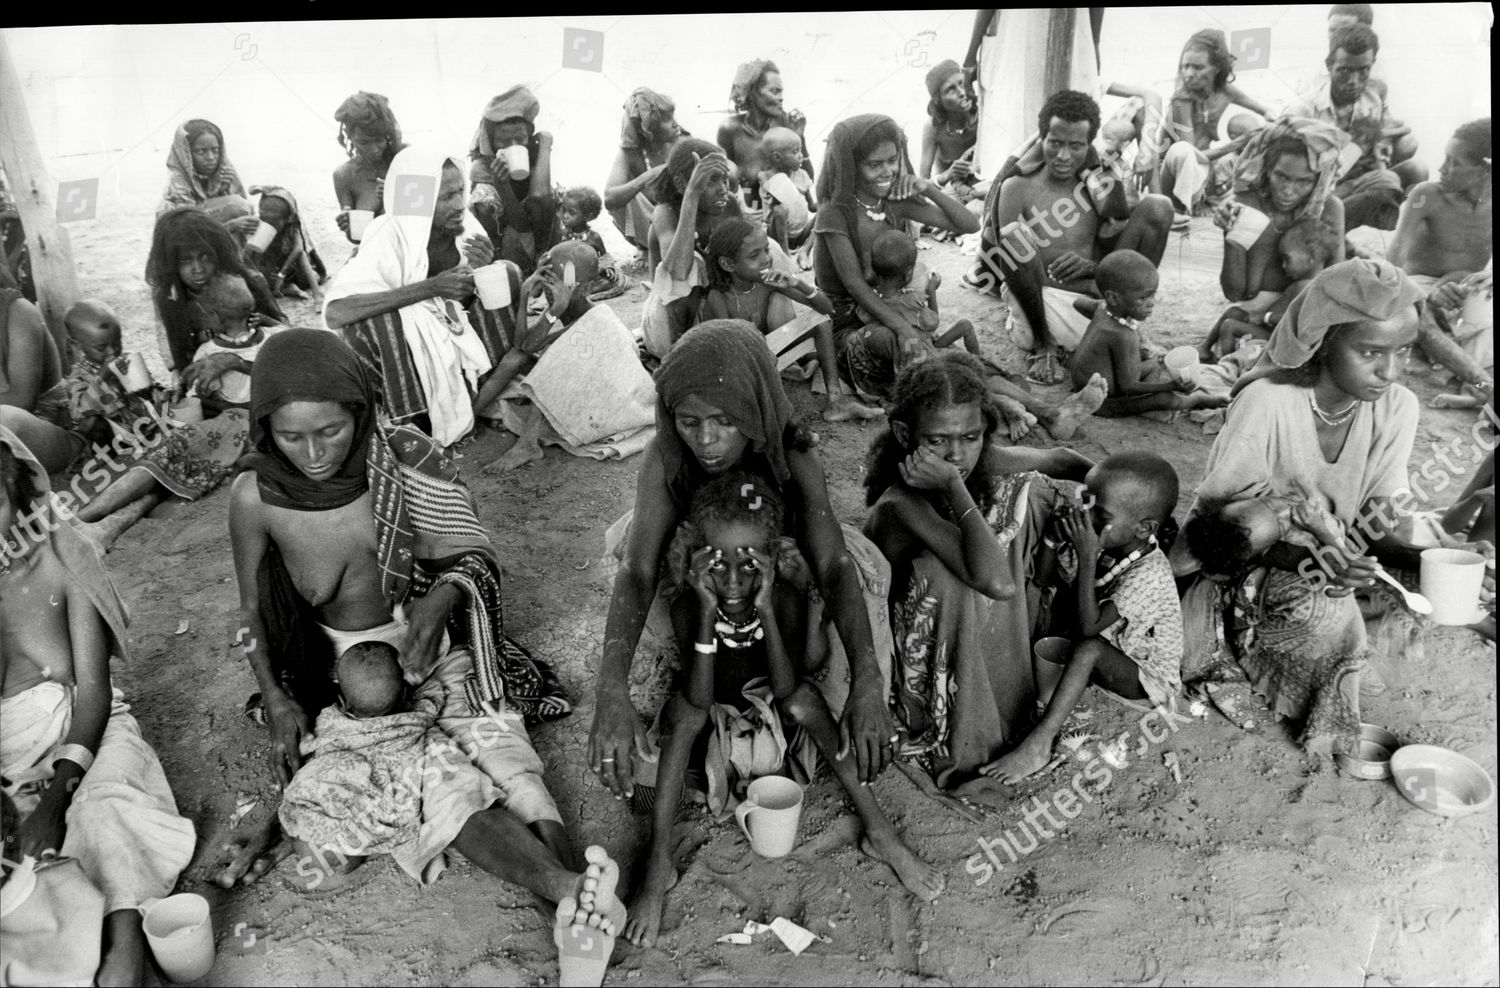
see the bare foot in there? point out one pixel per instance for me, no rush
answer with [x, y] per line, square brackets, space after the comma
[1029, 758]
[1076, 408]
[1045, 367]
[1199, 399]
[1018, 421]
[582, 951]
[598, 905]
[645, 907]
[254, 854]
[921, 879]
[523, 451]
[843, 408]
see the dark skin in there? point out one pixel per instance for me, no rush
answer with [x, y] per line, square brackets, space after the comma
[30, 352]
[1288, 184]
[617, 732]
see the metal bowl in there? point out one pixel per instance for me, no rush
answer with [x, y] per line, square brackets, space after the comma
[1441, 781]
[1371, 758]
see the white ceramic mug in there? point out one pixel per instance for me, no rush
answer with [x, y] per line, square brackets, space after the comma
[180, 934]
[188, 411]
[1182, 363]
[131, 370]
[770, 814]
[262, 237]
[1451, 579]
[492, 282]
[518, 161]
[358, 220]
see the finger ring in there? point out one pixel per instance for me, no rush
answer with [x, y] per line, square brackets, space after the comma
[894, 739]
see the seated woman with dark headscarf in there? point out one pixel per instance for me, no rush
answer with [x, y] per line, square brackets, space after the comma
[189, 247]
[648, 131]
[512, 198]
[720, 407]
[199, 174]
[1323, 414]
[370, 135]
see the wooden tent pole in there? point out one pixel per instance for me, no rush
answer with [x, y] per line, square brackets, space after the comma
[36, 200]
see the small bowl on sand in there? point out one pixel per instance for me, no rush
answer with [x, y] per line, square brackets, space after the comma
[1441, 781]
[1371, 757]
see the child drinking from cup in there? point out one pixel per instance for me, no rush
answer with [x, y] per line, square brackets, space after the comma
[739, 624]
[1127, 620]
[289, 262]
[742, 285]
[1111, 346]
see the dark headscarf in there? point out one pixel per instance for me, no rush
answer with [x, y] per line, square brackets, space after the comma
[726, 363]
[839, 179]
[308, 365]
[516, 103]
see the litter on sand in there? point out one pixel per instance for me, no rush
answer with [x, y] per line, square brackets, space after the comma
[796, 938]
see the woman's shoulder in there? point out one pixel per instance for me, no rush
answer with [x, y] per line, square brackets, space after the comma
[1269, 396]
[1399, 402]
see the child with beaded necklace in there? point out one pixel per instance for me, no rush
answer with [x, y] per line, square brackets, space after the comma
[1128, 633]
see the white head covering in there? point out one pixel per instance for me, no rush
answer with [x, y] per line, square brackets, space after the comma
[445, 349]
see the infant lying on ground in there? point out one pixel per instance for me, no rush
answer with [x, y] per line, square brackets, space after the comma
[382, 777]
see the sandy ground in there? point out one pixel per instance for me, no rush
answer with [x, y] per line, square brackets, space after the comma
[1252, 868]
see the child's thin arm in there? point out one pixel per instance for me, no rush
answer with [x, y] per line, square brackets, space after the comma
[783, 676]
[1078, 528]
[714, 305]
[700, 681]
[800, 291]
[1125, 354]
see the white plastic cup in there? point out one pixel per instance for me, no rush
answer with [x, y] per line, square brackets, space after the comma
[770, 814]
[262, 237]
[1054, 650]
[517, 160]
[358, 220]
[180, 935]
[1451, 579]
[1182, 363]
[188, 411]
[492, 282]
[132, 372]
[1247, 227]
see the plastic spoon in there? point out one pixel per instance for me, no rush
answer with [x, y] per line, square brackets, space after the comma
[1415, 601]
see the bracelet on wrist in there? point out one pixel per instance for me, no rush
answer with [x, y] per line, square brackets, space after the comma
[706, 648]
[75, 753]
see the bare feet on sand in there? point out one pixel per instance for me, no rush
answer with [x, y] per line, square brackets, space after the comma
[1076, 408]
[1018, 421]
[1199, 399]
[1028, 758]
[587, 921]
[843, 408]
[645, 907]
[253, 854]
[921, 879]
[1045, 367]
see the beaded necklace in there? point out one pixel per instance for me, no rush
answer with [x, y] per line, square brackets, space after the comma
[1331, 418]
[735, 634]
[875, 212]
[1120, 567]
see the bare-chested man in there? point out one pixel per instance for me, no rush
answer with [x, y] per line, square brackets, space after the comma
[1048, 230]
[1350, 95]
[1445, 242]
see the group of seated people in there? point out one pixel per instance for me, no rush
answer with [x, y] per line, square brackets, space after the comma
[370, 598]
